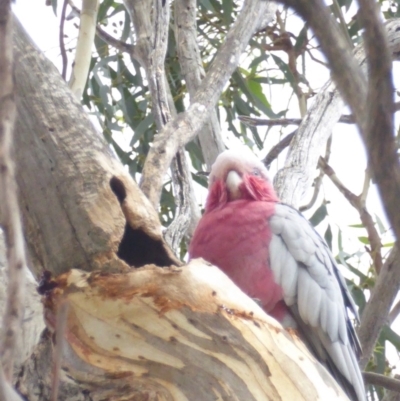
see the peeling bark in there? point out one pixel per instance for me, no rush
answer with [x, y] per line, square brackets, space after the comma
[171, 334]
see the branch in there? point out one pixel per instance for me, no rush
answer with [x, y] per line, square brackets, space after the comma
[283, 122]
[380, 380]
[392, 395]
[379, 133]
[9, 209]
[83, 53]
[375, 114]
[278, 148]
[123, 47]
[187, 125]
[375, 313]
[187, 213]
[366, 219]
[152, 47]
[61, 40]
[193, 72]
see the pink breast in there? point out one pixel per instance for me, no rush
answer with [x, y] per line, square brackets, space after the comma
[236, 239]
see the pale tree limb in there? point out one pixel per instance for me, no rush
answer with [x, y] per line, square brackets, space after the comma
[187, 125]
[10, 214]
[152, 34]
[210, 139]
[83, 53]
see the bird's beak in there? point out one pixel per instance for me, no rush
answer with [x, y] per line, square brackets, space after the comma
[233, 181]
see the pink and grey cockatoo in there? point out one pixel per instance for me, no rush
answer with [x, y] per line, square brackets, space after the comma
[274, 255]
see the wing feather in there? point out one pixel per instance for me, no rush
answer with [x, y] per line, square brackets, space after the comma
[317, 295]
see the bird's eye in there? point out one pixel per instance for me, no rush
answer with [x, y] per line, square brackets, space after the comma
[256, 172]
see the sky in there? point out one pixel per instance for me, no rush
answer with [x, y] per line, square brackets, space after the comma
[347, 157]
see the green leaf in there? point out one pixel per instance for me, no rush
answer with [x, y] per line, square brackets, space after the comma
[285, 69]
[364, 240]
[328, 236]
[381, 227]
[256, 89]
[391, 336]
[227, 7]
[54, 6]
[142, 128]
[104, 7]
[302, 38]
[319, 215]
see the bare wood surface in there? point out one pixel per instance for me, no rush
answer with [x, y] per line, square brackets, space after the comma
[170, 334]
[193, 72]
[72, 216]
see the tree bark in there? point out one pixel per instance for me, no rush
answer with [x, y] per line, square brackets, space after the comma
[171, 334]
[73, 192]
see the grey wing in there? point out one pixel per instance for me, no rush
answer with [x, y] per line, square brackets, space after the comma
[317, 296]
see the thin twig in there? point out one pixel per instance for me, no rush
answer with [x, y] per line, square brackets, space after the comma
[278, 148]
[61, 40]
[9, 212]
[123, 47]
[283, 122]
[380, 380]
[365, 217]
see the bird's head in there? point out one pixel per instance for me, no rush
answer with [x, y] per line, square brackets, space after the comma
[238, 175]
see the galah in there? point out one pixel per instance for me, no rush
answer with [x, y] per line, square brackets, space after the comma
[274, 255]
